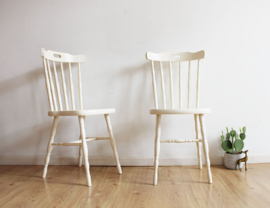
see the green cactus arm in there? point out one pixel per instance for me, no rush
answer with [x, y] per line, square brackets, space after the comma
[222, 138]
[227, 129]
[239, 145]
[242, 136]
[227, 145]
[244, 129]
[233, 133]
[240, 130]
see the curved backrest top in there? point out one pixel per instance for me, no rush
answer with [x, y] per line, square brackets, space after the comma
[61, 57]
[167, 56]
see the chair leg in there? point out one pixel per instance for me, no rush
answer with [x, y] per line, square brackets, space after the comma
[197, 129]
[157, 147]
[205, 148]
[109, 126]
[50, 146]
[80, 152]
[85, 149]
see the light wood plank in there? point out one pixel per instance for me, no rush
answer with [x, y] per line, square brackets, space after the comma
[184, 186]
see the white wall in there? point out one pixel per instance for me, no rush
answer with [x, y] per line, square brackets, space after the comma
[114, 36]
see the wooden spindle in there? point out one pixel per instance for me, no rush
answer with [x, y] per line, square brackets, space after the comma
[57, 87]
[48, 85]
[52, 86]
[198, 84]
[71, 86]
[80, 86]
[171, 86]
[188, 95]
[154, 84]
[64, 86]
[180, 86]
[162, 86]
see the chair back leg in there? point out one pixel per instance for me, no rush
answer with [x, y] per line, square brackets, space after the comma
[85, 149]
[157, 147]
[109, 126]
[197, 130]
[50, 146]
[205, 148]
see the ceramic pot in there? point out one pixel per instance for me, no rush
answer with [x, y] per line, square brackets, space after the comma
[231, 159]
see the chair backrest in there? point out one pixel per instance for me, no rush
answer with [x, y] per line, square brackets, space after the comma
[178, 58]
[50, 58]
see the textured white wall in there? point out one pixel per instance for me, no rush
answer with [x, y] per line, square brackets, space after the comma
[114, 36]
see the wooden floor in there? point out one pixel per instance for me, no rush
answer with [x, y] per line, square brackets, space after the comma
[186, 186]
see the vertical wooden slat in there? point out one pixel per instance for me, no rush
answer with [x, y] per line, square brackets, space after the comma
[188, 95]
[198, 84]
[171, 86]
[64, 86]
[48, 84]
[180, 86]
[57, 87]
[52, 86]
[154, 85]
[80, 87]
[71, 86]
[162, 86]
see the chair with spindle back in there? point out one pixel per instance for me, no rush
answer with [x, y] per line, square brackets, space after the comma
[55, 101]
[197, 112]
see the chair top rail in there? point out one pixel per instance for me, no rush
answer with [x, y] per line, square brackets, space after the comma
[61, 57]
[171, 56]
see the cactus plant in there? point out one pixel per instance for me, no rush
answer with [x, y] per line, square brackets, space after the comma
[236, 144]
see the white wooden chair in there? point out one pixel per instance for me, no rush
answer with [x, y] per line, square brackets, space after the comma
[197, 112]
[56, 108]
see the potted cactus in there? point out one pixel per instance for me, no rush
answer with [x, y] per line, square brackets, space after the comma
[232, 144]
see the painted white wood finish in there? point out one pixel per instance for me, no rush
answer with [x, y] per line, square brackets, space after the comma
[109, 126]
[180, 111]
[59, 57]
[157, 147]
[197, 112]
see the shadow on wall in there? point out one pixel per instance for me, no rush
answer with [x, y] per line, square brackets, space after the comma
[21, 95]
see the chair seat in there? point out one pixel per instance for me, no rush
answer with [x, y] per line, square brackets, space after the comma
[180, 111]
[81, 112]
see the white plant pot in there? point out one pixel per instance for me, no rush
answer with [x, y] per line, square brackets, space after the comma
[230, 160]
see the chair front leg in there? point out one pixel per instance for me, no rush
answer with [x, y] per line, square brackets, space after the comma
[109, 126]
[50, 146]
[197, 130]
[157, 147]
[80, 152]
[85, 149]
[205, 148]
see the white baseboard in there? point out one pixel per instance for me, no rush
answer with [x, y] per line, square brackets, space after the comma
[124, 161]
